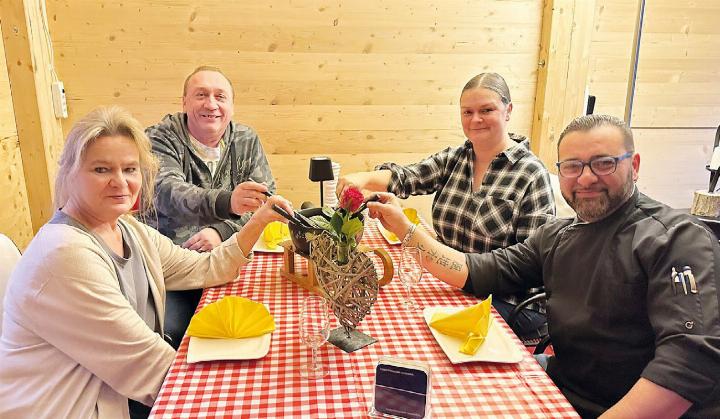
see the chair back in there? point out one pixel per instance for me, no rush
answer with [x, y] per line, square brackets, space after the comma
[562, 208]
[9, 255]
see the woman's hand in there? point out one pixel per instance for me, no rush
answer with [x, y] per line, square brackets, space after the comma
[266, 214]
[358, 180]
[375, 181]
[390, 214]
[251, 231]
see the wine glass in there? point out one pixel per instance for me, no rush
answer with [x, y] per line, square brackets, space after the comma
[314, 331]
[410, 273]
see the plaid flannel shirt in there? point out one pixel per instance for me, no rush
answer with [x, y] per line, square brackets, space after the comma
[515, 198]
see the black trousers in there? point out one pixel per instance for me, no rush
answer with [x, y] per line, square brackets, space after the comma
[138, 410]
[179, 309]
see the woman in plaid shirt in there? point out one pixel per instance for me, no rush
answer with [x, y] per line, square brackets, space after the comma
[490, 192]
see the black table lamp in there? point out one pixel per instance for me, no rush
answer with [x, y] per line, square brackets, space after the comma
[321, 170]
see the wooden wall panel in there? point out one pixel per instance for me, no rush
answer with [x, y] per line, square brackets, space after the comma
[562, 79]
[677, 93]
[677, 87]
[678, 79]
[610, 54]
[14, 212]
[362, 81]
[672, 163]
[30, 55]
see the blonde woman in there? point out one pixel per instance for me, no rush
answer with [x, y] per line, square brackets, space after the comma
[83, 321]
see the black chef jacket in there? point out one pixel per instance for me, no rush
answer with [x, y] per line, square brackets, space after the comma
[614, 312]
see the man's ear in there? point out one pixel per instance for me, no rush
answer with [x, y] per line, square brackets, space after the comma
[508, 111]
[636, 166]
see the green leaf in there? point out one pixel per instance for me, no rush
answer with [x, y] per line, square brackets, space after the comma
[337, 223]
[328, 211]
[322, 222]
[352, 227]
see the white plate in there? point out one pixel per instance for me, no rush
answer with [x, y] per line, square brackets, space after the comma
[386, 234]
[203, 349]
[260, 246]
[498, 346]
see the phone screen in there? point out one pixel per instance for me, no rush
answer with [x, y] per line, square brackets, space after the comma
[400, 391]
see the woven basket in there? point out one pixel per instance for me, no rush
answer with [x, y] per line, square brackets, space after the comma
[351, 288]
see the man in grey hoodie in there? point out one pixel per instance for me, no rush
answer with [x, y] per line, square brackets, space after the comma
[213, 174]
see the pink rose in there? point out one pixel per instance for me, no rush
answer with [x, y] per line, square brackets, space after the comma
[351, 199]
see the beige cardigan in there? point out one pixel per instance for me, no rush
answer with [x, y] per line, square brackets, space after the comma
[71, 345]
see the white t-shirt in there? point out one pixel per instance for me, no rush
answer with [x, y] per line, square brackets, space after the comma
[209, 155]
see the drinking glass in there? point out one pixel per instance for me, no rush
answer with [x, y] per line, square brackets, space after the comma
[314, 331]
[410, 273]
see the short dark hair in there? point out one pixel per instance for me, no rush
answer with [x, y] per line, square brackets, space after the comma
[207, 68]
[490, 81]
[587, 122]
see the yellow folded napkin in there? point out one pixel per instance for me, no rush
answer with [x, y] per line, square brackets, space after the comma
[274, 233]
[412, 215]
[231, 317]
[470, 324]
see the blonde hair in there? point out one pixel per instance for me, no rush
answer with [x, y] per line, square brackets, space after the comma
[105, 122]
[207, 68]
[490, 81]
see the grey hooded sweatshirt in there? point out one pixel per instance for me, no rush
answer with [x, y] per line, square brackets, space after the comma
[188, 197]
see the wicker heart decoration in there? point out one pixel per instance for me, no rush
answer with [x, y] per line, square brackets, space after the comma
[351, 288]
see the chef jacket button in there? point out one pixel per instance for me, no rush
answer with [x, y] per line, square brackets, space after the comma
[689, 325]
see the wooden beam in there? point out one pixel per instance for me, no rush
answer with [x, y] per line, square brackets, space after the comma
[637, 34]
[562, 72]
[29, 61]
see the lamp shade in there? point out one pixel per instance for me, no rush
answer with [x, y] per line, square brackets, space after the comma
[320, 169]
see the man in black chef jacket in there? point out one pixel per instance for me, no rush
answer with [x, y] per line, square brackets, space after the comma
[632, 285]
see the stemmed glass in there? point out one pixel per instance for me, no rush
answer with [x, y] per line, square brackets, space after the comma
[410, 273]
[314, 331]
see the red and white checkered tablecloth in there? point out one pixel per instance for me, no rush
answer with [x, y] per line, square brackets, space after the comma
[272, 386]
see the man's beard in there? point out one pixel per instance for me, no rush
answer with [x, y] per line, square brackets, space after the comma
[595, 209]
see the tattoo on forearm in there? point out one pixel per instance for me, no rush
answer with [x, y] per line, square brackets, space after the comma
[433, 256]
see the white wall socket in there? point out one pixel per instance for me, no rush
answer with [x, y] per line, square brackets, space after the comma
[59, 101]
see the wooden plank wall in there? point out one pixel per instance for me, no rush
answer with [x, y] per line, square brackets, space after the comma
[610, 53]
[27, 43]
[14, 215]
[362, 82]
[562, 74]
[677, 99]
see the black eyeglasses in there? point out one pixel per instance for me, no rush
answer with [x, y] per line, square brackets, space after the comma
[600, 166]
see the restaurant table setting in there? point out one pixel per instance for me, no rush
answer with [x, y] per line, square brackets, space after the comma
[230, 328]
[500, 379]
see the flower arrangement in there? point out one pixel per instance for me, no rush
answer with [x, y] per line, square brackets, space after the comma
[344, 223]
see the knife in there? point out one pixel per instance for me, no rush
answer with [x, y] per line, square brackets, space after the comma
[714, 166]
